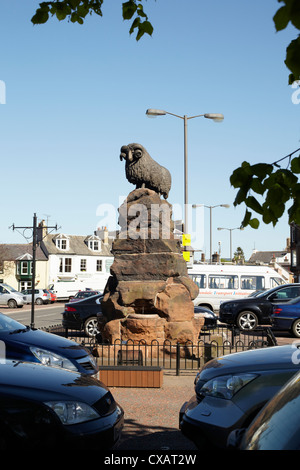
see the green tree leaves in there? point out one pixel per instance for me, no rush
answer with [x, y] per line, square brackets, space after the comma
[76, 11]
[276, 185]
[141, 22]
[290, 12]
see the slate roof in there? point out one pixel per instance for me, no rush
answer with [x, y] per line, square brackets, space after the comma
[12, 252]
[266, 256]
[77, 246]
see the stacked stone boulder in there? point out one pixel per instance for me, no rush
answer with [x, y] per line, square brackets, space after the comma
[149, 293]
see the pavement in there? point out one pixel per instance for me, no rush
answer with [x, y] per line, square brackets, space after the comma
[152, 414]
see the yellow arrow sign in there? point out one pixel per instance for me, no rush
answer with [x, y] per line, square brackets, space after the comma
[186, 255]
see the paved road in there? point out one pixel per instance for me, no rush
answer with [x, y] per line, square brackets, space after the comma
[44, 315]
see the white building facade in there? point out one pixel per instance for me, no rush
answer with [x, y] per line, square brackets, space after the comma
[76, 257]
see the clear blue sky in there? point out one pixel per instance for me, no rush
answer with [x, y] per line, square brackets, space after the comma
[75, 94]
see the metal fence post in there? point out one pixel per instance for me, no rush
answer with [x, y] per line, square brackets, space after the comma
[177, 359]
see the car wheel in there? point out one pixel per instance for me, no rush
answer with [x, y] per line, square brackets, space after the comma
[91, 326]
[39, 301]
[296, 328]
[12, 303]
[247, 320]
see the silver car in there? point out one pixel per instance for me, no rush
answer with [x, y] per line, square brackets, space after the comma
[41, 296]
[10, 296]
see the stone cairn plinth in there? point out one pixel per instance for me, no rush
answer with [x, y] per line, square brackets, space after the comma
[149, 293]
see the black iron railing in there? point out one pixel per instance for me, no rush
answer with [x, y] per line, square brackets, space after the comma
[212, 343]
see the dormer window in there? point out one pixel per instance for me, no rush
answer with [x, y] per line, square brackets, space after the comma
[94, 243]
[62, 242]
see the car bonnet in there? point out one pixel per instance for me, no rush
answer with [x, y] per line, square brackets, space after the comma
[38, 382]
[275, 357]
[48, 341]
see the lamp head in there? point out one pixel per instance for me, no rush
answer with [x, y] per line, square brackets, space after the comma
[216, 117]
[155, 112]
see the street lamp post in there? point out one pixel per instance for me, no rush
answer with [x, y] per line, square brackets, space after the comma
[210, 221]
[216, 117]
[230, 231]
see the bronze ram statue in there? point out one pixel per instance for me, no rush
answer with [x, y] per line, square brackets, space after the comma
[143, 171]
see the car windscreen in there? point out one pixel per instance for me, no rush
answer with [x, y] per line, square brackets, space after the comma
[9, 288]
[7, 324]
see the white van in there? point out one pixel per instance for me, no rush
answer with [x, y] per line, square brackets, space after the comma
[218, 282]
[66, 289]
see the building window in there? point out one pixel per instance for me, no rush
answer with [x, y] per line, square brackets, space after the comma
[24, 267]
[83, 264]
[94, 245]
[24, 285]
[65, 265]
[68, 265]
[62, 242]
[99, 265]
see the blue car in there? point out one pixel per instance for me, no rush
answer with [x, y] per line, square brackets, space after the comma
[31, 345]
[286, 316]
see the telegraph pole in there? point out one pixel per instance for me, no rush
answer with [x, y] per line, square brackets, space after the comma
[34, 246]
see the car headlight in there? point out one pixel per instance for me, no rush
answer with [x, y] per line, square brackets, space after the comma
[72, 412]
[225, 386]
[49, 358]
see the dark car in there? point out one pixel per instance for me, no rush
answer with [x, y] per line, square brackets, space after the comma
[23, 343]
[210, 319]
[83, 294]
[46, 408]
[82, 315]
[249, 312]
[277, 426]
[231, 390]
[286, 317]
